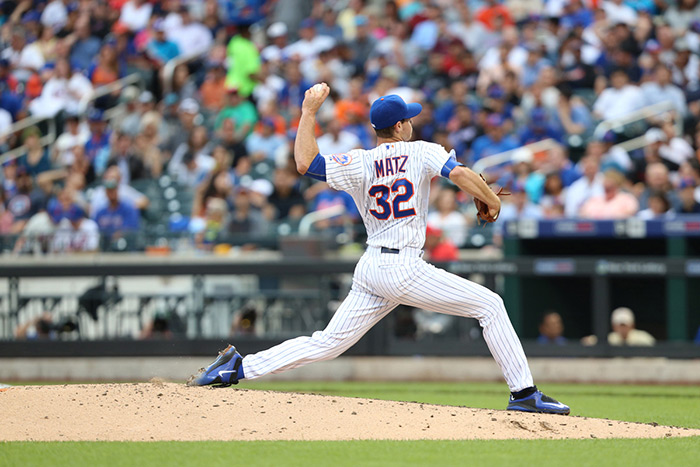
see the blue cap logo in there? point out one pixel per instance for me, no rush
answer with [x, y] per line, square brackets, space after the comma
[387, 110]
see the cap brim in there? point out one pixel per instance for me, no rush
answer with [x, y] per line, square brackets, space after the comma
[413, 110]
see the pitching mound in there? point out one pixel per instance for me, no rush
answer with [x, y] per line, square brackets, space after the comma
[160, 411]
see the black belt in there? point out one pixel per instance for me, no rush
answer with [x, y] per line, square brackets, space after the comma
[393, 251]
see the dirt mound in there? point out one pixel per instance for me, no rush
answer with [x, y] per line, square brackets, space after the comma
[161, 411]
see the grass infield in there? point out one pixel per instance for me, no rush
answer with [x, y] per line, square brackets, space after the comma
[666, 405]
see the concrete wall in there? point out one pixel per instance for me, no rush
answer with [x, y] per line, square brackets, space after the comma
[620, 370]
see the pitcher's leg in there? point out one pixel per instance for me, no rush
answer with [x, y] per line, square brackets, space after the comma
[434, 289]
[353, 318]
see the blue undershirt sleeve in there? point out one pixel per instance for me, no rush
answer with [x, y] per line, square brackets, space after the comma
[317, 169]
[447, 168]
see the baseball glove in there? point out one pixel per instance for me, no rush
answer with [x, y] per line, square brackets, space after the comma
[482, 209]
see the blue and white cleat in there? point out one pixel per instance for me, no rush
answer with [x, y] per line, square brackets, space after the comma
[538, 403]
[222, 373]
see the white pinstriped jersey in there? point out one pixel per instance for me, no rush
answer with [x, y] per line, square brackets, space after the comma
[390, 186]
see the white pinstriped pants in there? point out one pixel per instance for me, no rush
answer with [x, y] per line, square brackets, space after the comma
[381, 282]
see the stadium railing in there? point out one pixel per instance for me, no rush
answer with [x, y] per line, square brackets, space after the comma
[51, 133]
[169, 69]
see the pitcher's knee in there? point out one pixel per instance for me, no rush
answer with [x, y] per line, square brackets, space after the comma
[494, 308]
[330, 340]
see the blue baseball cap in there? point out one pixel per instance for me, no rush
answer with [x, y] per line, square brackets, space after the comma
[387, 110]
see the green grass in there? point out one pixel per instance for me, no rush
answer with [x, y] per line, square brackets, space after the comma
[676, 452]
[668, 405]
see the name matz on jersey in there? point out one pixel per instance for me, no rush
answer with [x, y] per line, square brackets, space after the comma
[389, 184]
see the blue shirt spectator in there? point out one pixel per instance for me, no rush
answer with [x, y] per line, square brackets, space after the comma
[539, 128]
[264, 143]
[86, 46]
[117, 218]
[159, 48]
[494, 141]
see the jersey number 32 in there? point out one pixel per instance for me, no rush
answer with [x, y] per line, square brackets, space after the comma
[402, 190]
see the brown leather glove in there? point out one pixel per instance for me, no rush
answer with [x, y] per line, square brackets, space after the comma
[482, 209]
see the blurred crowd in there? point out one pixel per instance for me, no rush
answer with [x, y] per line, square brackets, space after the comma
[493, 76]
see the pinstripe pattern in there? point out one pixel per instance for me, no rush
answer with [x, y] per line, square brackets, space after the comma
[383, 281]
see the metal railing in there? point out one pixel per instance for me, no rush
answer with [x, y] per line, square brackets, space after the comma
[638, 115]
[45, 140]
[317, 216]
[501, 158]
[108, 89]
[51, 135]
[169, 69]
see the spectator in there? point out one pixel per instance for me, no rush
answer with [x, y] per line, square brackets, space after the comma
[75, 135]
[573, 115]
[242, 112]
[286, 199]
[553, 197]
[659, 207]
[657, 180]
[246, 218]
[539, 128]
[328, 26]
[207, 230]
[470, 32]
[686, 191]
[363, 43]
[292, 94]
[265, 144]
[614, 204]
[97, 147]
[44, 327]
[551, 330]
[576, 74]
[660, 89]
[119, 216]
[125, 193]
[519, 207]
[107, 68]
[180, 127]
[244, 322]
[278, 35]
[130, 165]
[463, 130]
[130, 121]
[680, 14]
[159, 48]
[674, 150]
[84, 45]
[25, 58]
[183, 83]
[135, 14]
[62, 92]
[25, 202]
[35, 159]
[590, 185]
[448, 219]
[213, 90]
[191, 162]
[244, 62]
[494, 141]
[336, 140]
[494, 15]
[55, 15]
[191, 37]
[74, 232]
[308, 45]
[619, 100]
[624, 332]
[437, 247]
[162, 326]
